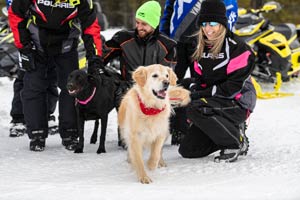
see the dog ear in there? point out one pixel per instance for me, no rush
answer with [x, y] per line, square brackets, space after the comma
[173, 77]
[140, 76]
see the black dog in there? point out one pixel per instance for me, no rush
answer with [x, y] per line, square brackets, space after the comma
[94, 100]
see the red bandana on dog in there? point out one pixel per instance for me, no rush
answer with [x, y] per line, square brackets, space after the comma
[149, 111]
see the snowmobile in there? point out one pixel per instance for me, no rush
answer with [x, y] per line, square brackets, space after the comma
[9, 57]
[4, 28]
[8, 51]
[277, 48]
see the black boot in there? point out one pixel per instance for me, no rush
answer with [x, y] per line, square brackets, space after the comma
[52, 125]
[70, 143]
[37, 144]
[177, 137]
[17, 129]
[244, 139]
[231, 155]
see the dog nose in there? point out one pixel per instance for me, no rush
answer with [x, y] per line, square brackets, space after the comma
[165, 84]
[69, 86]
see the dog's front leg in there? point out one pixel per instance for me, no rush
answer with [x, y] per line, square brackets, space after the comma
[156, 153]
[135, 151]
[161, 162]
[80, 126]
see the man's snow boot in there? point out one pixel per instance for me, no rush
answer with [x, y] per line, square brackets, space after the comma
[37, 144]
[70, 143]
[52, 125]
[17, 129]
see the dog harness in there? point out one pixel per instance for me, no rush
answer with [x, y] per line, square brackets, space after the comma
[88, 99]
[149, 111]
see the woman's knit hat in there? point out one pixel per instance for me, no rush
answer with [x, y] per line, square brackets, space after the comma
[213, 11]
[149, 12]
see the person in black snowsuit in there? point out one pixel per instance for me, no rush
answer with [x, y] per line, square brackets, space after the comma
[46, 33]
[179, 21]
[222, 93]
[18, 126]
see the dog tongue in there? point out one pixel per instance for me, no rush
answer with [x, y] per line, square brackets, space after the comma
[161, 93]
[72, 91]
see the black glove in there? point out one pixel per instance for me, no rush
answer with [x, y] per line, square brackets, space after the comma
[26, 60]
[95, 65]
[122, 88]
[194, 86]
[203, 93]
[187, 82]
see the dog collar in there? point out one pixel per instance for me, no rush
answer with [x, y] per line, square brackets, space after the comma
[149, 111]
[88, 99]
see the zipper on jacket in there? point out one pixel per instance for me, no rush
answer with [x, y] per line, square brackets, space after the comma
[48, 42]
[144, 56]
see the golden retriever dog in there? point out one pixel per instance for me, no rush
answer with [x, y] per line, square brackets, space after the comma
[144, 113]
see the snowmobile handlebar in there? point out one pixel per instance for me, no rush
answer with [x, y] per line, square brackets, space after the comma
[271, 6]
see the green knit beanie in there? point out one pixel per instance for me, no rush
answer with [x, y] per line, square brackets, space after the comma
[149, 12]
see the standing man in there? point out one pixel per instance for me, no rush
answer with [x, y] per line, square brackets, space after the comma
[46, 33]
[17, 124]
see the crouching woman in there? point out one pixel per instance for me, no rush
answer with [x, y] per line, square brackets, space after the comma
[222, 93]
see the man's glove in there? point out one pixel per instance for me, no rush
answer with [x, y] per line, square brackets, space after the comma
[122, 88]
[95, 65]
[26, 60]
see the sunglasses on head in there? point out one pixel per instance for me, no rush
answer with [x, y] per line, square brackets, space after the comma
[210, 24]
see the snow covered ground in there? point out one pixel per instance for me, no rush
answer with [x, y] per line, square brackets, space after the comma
[270, 171]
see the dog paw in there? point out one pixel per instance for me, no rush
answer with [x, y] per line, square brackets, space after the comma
[162, 163]
[151, 165]
[179, 96]
[145, 180]
[78, 150]
[101, 150]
